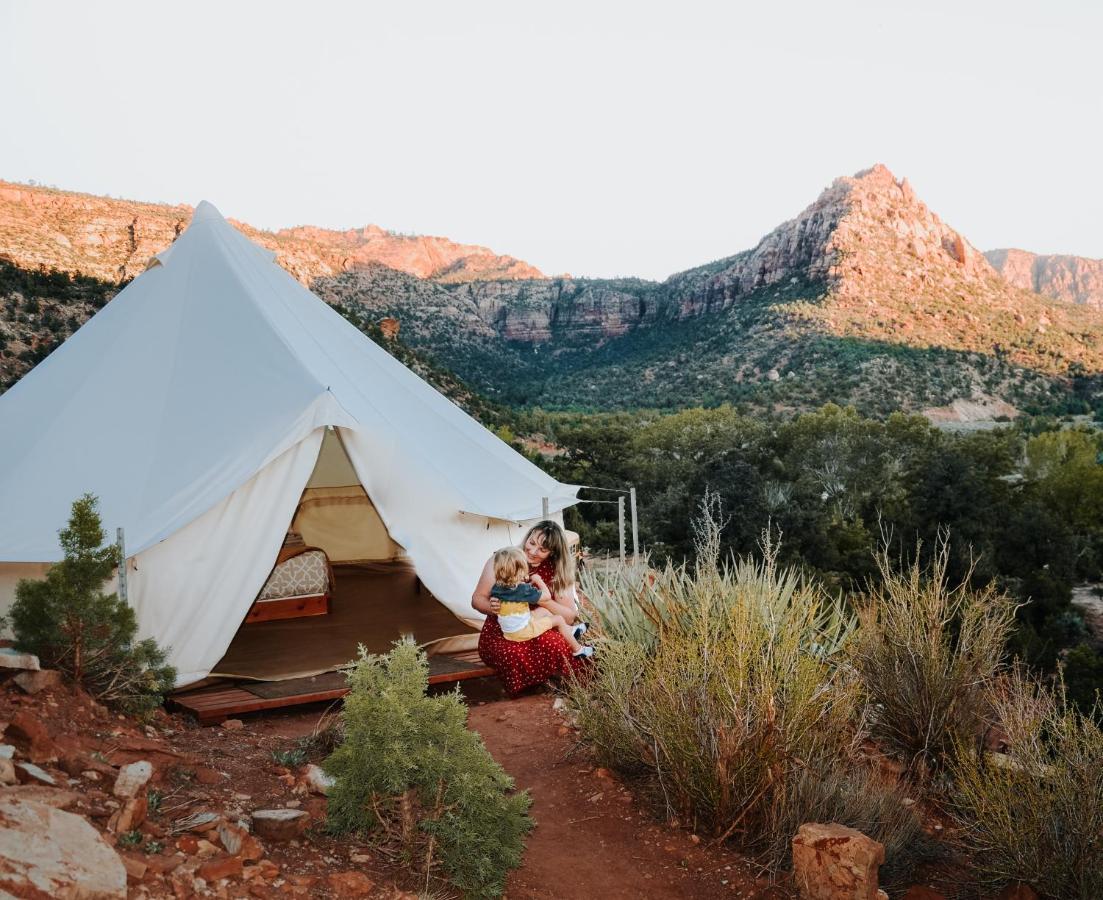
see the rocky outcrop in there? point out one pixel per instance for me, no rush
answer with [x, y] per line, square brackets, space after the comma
[113, 240]
[1072, 278]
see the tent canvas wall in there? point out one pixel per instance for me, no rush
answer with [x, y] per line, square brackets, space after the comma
[194, 405]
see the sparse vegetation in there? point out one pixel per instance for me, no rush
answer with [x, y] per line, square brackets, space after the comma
[926, 653]
[1035, 814]
[409, 773]
[720, 685]
[68, 621]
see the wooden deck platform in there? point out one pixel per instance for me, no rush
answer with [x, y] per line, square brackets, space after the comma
[215, 703]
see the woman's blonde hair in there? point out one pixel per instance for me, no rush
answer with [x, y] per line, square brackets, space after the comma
[560, 553]
[510, 566]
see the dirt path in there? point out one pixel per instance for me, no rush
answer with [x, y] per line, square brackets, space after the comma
[591, 839]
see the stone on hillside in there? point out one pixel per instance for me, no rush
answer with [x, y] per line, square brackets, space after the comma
[42, 680]
[29, 773]
[29, 734]
[7, 751]
[132, 814]
[239, 842]
[220, 867]
[39, 793]
[233, 724]
[14, 659]
[7, 772]
[833, 862]
[351, 884]
[279, 824]
[45, 852]
[315, 778]
[132, 778]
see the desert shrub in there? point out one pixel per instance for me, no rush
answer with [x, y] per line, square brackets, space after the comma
[925, 653]
[1036, 814]
[719, 684]
[410, 772]
[68, 621]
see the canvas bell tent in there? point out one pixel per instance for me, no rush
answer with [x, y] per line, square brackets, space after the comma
[216, 403]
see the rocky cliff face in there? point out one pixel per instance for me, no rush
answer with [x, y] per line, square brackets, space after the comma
[1072, 278]
[112, 240]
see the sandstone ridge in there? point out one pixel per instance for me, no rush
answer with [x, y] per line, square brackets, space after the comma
[1072, 278]
[112, 240]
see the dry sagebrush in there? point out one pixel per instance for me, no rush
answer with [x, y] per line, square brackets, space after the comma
[719, 683]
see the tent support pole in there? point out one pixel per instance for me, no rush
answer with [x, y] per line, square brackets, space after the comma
[544, 507]
[121, 541]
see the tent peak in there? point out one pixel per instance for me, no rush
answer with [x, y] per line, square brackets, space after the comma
[206, 210]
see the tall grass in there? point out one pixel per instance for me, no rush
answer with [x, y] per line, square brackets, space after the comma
[720, 683]
[1036, 814]
[926, 653]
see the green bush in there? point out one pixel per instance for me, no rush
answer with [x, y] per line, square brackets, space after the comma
[410, 772]
[719, 684]
[69, 622]
[925, 654]
[1036, 814]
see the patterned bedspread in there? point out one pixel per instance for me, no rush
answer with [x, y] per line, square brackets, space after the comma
[301, 576]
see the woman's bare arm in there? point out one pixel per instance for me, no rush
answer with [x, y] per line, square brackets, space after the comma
[567, 606]
[481, 599]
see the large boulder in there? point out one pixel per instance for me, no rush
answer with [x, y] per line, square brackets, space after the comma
[833, 862]
[45, 852]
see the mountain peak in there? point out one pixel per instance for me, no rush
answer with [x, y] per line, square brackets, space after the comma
[863, 229]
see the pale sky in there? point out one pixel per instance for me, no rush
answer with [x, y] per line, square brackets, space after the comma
[593, 138]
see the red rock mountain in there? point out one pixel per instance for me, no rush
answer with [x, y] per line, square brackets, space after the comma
[112, 240]
[1073, 278]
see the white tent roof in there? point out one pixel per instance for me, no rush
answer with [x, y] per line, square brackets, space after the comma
[202, 371]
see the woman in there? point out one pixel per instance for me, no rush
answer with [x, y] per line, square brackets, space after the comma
[527, 663]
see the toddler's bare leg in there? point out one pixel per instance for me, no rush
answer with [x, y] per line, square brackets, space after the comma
[567, 631]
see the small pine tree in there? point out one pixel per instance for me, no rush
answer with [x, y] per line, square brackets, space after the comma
[69, 622]
[410, 770]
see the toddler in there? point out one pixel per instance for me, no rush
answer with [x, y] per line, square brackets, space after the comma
[520, 616]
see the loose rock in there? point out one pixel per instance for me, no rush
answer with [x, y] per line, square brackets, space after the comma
[351, 884]
[45, 852]
[315, 778]
[833, 862]
[220, 867]
[42, 680]
[13, 659]
[29, 773]
[279, 824]
[132, 778]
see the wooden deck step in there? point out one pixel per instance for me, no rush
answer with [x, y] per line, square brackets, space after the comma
[216, 703]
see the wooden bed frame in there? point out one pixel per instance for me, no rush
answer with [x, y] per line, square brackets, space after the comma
[291, 607]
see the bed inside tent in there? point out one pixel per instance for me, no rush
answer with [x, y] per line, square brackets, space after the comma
[374, 598]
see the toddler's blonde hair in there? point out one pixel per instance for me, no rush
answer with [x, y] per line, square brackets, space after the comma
[510, 566]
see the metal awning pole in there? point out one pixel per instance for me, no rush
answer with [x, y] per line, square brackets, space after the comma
[635, 527]
[121, 541]
[544, 504]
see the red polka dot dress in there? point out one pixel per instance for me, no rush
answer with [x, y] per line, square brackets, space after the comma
[524, 664]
